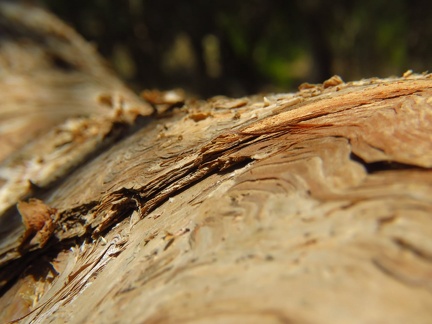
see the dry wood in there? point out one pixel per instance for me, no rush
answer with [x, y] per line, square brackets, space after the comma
[311, 207]
[59, 106]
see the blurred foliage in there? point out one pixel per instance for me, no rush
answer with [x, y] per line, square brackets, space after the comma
[237, 47]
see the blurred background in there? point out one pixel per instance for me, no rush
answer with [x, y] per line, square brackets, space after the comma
[240, 47]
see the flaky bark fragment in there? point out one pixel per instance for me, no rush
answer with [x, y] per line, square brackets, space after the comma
[39, 221]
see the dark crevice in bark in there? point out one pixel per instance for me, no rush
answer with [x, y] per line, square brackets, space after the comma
[134, 200]
[12, 271]
[415, 250]
[381, 166]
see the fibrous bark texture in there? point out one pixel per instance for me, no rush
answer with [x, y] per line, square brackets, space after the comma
[310, 207]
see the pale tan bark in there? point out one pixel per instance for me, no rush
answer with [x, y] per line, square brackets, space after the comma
[311, 207]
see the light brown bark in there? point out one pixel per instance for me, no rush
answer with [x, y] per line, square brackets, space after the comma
[311, 207]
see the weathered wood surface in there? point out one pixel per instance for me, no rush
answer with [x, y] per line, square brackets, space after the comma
[59, 105]
[311, 207]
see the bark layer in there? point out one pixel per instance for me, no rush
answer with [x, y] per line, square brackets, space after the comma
[310, 207]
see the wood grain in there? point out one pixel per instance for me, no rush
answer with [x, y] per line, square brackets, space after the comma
[271, 216]
[309, 207]
[60, 104]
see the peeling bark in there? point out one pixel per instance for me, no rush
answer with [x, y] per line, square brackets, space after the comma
[310, 207]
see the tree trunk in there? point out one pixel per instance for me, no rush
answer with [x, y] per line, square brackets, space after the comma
[310, 207]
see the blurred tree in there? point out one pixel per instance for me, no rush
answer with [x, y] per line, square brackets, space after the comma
[237, 47]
